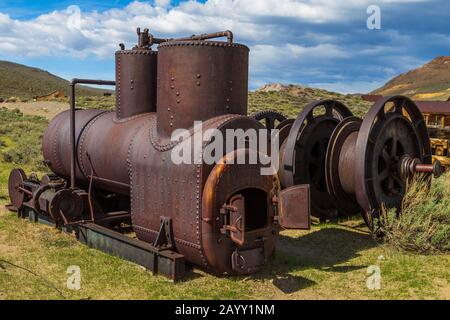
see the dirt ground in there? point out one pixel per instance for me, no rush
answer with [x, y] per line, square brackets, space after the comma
[47, 109]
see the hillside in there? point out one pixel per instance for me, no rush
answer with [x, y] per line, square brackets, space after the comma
[25, 82]
[428, 82]
[290, 99]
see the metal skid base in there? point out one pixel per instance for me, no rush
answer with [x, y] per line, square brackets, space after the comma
[164, 262]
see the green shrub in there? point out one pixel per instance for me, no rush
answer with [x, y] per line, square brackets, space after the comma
[424, 223]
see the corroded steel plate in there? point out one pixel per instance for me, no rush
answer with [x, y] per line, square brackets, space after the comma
[294, 209]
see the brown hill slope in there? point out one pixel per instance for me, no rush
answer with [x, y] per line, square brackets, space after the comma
[25, 82]
[428, 82]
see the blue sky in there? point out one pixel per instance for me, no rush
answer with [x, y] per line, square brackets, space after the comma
[320, 43]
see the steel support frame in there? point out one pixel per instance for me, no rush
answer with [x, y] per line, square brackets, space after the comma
[164, 262]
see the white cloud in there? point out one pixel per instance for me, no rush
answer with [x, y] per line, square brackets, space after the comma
[162, 3]
[276, 50]
[99, 33]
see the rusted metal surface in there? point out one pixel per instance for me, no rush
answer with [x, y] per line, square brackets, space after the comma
[414, 166]
[193, 196]
[73, 133]
[303, 157]
[366, 163]
[99, 152]
[294, 207]
[284, 128]
[270, 118]
[393, 127]
[371, 160]
[17, 193]
[434, 107]
[167, 263]
[228, 34]
[56, 143]
[222, 216]
[339, 173]
[103, 150]
[189, 89]
[136, 82]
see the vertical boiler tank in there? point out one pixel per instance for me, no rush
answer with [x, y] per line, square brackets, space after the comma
[136, 79]
[199, 80]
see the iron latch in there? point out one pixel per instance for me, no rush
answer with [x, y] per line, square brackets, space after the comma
[234, 219]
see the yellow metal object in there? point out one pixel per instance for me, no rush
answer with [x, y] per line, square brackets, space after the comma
[440, 146]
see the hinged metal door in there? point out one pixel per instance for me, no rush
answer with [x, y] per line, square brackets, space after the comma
[293, 207]
[235, 219]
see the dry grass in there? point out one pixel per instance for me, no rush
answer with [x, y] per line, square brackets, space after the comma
[328, 262]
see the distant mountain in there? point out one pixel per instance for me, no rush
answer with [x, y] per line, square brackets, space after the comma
[25, 82]
[428, 82]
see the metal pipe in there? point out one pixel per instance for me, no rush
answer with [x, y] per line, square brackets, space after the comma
[117, 183]
[73, 84]
[25, 191]
[205, 36]
[72, 133]
[436, 168]
[410, 166]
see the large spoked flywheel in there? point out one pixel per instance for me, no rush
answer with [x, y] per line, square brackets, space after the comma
[393, 129]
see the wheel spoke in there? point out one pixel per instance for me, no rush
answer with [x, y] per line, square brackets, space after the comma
[381, 115]
[322, 148]
[398, 105]
[383, 175]
[394, 147]
[385, 155]
[400, 184]
[310, 118]
[271, 123]
[390, 184]
[316, 177]
[329, 109]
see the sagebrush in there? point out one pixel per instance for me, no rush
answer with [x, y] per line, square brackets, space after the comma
[424, 223]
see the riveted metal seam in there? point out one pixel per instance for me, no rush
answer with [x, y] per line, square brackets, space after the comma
[118, 81]
[130, 168]
[82, 140]
[177, 240]
[201, 43]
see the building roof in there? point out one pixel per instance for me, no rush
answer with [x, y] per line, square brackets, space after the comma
[371, 97]
[437, 107]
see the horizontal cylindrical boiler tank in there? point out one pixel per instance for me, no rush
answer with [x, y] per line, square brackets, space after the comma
[56, 140]
[102, 147]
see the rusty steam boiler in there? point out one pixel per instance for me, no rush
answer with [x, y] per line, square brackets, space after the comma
[114, 168]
